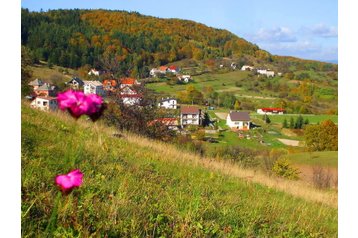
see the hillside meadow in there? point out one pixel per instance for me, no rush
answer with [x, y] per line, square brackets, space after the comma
[136, 187]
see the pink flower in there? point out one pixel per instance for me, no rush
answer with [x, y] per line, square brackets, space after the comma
[94, 103]
[69, 181]
[78, 104]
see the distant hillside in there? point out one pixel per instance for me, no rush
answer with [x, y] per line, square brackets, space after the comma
[130, 43]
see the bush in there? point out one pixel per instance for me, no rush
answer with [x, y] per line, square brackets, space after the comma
[283, 168]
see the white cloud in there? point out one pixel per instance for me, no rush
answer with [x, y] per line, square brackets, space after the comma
[322, 30]
[302, 49]
[278, 34]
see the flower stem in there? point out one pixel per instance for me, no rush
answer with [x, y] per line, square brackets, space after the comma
[53, 217]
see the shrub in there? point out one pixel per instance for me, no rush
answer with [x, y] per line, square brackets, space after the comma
[283, 168]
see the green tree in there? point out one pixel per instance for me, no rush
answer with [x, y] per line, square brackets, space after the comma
[266, 119]
[299, 122]
[26, 73]
[307, 122]
[237, 105]
[292, 123]
[206, 120]
[322, 137]
[284, 123]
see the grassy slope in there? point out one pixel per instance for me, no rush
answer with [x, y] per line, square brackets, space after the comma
[136, 187]
[322, 158]
[51, 75]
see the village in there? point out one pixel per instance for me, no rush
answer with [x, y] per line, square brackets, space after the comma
[44, 97]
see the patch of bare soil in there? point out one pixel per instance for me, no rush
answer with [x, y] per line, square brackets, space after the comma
[290, 142]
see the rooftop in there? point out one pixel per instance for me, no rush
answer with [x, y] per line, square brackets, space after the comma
[239, 116]
[189, 110]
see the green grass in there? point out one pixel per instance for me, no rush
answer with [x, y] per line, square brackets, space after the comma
[313, 119]
[324, 158]
[132, 190]
[221, 82]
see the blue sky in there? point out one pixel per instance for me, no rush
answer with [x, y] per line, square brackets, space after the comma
[302, 28]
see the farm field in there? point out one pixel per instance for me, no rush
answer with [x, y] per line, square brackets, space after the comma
[138, 187]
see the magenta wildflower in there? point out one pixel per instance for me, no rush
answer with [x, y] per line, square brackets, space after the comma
[67, 182]
[78, 104]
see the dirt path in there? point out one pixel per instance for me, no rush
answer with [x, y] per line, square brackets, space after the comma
[290, 142]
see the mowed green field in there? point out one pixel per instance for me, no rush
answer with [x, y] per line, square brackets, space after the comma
[321, 158]
[313, 119]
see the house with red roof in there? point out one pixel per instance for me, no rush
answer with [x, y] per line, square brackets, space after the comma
[190, 115]
[270, 110]
[173, 69]
[169, 122]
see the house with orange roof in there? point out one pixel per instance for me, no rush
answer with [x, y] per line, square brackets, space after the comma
[110, 85]
[128, 82]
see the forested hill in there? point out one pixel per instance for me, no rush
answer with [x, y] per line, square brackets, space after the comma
[124, 42]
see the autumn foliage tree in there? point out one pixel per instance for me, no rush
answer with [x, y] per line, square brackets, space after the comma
[322, 137]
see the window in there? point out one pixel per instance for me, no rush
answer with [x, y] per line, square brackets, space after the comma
[45, 103]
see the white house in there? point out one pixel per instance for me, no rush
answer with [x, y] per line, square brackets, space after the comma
[238, 120]
[45, 103]
[184, 78]
[168, 103]
[270, 111]
[233, 65]
[154, 72]
[131, 99]
[94, 72]
[75, 83]
[190, 115]
[247, 67]
[93, 87]
[267, 72]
